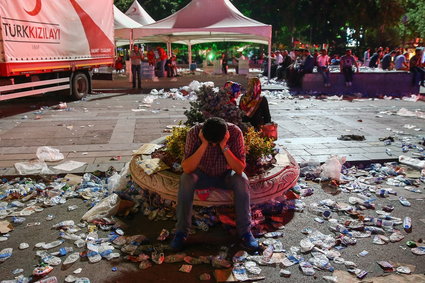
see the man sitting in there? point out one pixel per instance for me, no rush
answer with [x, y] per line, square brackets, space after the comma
[214, 157]
[387, 61]
[401, 61]
[283, 68]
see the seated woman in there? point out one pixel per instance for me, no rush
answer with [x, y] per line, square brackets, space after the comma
[254, 105]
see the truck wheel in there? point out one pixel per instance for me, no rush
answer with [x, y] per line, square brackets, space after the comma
[80, 85]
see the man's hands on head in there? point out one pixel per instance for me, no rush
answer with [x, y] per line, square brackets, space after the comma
[201, 137]
[223, 142]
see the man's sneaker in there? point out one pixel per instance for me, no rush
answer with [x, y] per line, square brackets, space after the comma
[177, 244]
[249, 242]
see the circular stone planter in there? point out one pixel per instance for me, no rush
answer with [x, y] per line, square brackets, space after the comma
[264, 187]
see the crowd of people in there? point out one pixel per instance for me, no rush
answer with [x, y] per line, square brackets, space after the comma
[164, 65]
[292, 66]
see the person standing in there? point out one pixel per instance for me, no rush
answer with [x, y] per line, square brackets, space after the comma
[136, 57]
[224, 63]
[366, 57]
[162, 61]
[214, 157]
[346, 67]
[323, 61]
[417, 68]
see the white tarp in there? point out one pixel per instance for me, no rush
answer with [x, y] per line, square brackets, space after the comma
[56, 30]
[205, 21]
[138, 14]
[123, 21]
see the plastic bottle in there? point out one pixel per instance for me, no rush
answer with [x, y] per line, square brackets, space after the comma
[64, 223]
[315, 209]
[341, 228]
[52, 244]
[407, 224]
[380, 222]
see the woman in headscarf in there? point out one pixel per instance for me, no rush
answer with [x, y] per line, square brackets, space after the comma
[254, 105]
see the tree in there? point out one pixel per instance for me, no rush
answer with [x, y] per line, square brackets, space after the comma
[372, 22]
[414, 21]
[123, 5]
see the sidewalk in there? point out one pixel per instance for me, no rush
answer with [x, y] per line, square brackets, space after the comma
[104, 129]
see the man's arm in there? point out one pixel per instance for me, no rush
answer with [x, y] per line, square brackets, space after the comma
[356, 64]
[234, 163]
[191, 163]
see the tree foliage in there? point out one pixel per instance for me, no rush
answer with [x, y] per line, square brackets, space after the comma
[373, 22]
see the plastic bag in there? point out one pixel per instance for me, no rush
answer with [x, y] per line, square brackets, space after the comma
[331, 169]
[117, 182]
[34, 166]
[46, 153]
[106, 208]
[195, 85]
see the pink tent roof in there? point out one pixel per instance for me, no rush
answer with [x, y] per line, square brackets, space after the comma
[138, 14]
[206, 21]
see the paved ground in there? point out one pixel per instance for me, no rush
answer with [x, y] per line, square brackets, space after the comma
[111, 124]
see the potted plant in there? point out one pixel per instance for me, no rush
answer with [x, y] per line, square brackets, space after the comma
[213, 102]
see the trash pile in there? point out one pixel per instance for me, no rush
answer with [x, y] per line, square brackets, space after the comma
[362, 212]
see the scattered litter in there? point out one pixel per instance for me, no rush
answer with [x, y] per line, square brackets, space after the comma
[5, 254]
[351, 138]
[5, 227]
[32, 167]
[186, 268]
[46, 153]
[69, 165]
[23, 246]
[205, 277]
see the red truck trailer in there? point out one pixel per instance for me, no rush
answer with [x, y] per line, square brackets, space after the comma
[51, 45]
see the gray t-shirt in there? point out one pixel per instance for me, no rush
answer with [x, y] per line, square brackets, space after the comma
[399, 60]
[136, 57]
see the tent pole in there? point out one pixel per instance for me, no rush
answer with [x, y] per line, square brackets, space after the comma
[169, 48]
[269, 64]
[189, 48]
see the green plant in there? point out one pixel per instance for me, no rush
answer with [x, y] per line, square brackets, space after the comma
[213, 102]
[175, 143]
[259, 152]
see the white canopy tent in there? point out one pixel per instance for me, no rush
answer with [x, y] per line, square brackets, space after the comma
[126, 25]
[205, 21]
[138, 14]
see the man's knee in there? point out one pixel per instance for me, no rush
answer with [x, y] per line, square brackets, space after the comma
[239, 182]
[188, 181]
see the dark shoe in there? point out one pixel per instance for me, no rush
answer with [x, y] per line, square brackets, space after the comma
[177, 244]
[249, 242]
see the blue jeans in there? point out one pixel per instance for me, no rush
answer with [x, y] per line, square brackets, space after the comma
[325, 73]
[418, 75]
[162, 68]
[136, 71]
[239, 184]
[348, 74]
